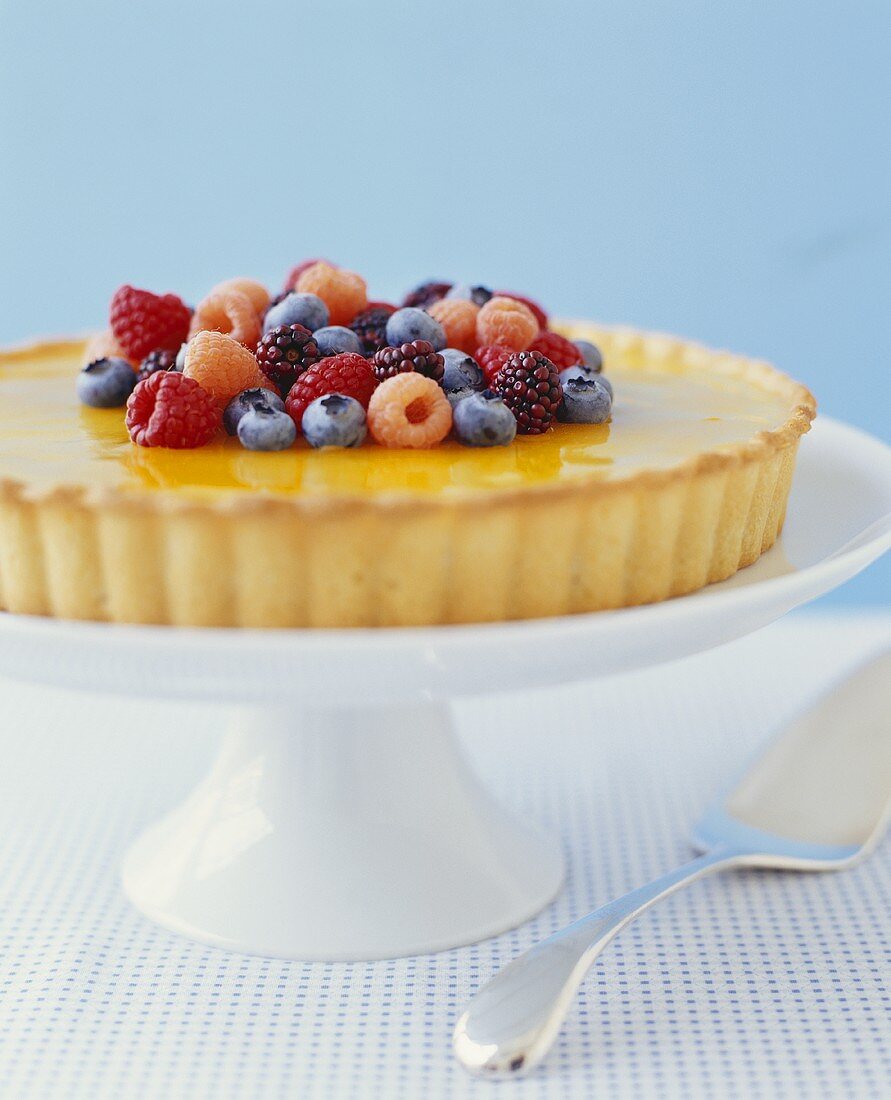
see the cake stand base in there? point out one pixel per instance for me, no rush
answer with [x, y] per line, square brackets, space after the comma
[341, 835]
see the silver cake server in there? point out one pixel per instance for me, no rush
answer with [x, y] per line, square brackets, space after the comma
[818, 799]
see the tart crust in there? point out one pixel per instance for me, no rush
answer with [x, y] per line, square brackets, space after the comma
[84, 552]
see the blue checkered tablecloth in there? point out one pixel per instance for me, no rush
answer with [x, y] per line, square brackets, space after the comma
[755, 984]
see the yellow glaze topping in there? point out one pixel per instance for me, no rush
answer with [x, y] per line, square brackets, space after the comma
[663, 413]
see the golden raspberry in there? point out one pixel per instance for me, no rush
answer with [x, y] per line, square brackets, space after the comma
[221, 366]
[458, 319]
[508, 322]
[228, 311]
[409, 410]
[257, 293]
[343, 292]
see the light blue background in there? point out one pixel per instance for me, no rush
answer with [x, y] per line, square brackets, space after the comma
[717, 169]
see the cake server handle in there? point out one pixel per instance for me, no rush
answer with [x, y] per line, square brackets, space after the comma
[512, 1021]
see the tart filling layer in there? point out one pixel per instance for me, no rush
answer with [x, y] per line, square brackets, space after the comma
[666, 412]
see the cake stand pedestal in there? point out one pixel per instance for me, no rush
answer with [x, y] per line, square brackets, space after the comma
[341, 834]
[339, 821]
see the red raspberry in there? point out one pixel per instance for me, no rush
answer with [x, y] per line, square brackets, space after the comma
[540, 314]
[168, 409]
[562, 352]
[530, 386]
[388, 306]
[491, 358]
[349, 374]
[142, 321]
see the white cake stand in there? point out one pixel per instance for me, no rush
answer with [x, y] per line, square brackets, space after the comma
[339, 820]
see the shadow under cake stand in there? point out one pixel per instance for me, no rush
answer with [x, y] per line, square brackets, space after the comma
[339, 820]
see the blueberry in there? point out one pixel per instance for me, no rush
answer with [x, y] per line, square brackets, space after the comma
[106, 383]
[334, 421]
[180, 364]
[586, 374]
[297, 309]
[454, 396]
[410, 324]
[483, 420]
[585, 401]
[479, 295]
[244, 402]
[264, 428]
[591, 355]
[336, 339]
[462, 375]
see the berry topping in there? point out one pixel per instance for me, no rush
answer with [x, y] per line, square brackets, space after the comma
[255, 292]
[220, 365]
[531, 389]
[483, 420]
[491, 359]
[285, 353]
[245, 401]
[506, 321]
[479, 295]
[106, 383]
[425, 294]
[343, 292]
[142, 321]
[265, 428]
[410, 324]
[416, 356]
[458, 319]
[537, 311]
[171, 410]
[585, 401]
[371, 327]
[350, 375]
[562, 353]
[229, 311]
[461, 375]
[591, 355]
[334, 421]
[337, 339]
[297, 309]
[156, 360]
[409, 411]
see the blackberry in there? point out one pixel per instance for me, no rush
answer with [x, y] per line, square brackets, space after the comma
[530, 386]
[156, 360]
[371, 327]
[417, 356]
[285, 352]
[426, 294]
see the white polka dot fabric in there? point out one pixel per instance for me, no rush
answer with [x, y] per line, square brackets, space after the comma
[756, 984]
